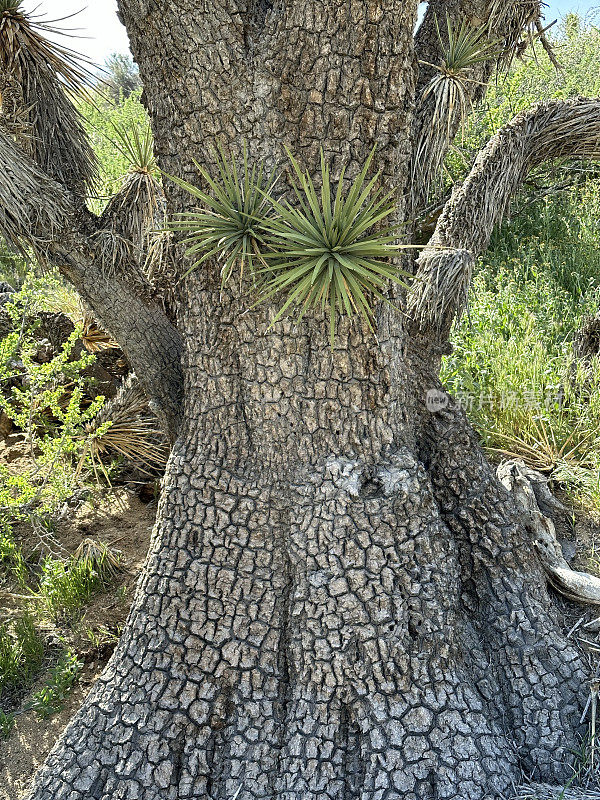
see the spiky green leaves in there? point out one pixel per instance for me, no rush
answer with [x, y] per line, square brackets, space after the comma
[448, 96]
[329, 248]
[136, 144]
[230, 224]
[465, 48]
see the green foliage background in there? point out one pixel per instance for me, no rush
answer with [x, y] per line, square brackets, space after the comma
[512, 366]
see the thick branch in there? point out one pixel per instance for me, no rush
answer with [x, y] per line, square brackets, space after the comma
[437, 123]
[37, 211]
[550, 130]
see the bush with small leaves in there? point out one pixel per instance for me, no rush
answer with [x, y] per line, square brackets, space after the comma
[50, 698]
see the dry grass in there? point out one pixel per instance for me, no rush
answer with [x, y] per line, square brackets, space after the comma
[126, 428]
[545, 446]
[39, 76]
[104, 560]
[94, 338]
[33, 207]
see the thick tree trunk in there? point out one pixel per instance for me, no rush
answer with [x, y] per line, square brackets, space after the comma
[339, 600]
[317, 620]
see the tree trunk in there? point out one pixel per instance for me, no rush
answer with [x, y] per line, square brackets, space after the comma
[339, 599]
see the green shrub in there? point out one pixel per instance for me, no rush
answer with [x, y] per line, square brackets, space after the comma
[49, 699]
[512, 365]
[21, 654]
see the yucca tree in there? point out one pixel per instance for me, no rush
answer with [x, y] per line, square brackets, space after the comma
[133, 215]
[340, 599]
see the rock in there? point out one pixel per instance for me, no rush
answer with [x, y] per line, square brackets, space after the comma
[6, 425]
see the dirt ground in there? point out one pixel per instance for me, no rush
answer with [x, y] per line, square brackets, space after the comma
[122, 521]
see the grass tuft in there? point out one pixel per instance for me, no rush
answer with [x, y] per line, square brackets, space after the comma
[21, 654]
[66, 586]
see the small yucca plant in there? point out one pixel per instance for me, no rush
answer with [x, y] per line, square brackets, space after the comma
[449, 91]
[9, 5]
[329, 251]
[228, 225]
[466, 47]
[136, 210]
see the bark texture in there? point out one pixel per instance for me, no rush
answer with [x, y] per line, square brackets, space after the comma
[339, 599]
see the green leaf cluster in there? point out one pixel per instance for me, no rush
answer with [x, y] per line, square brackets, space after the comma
[330, 248]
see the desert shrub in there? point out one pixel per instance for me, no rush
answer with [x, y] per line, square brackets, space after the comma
[513, 367]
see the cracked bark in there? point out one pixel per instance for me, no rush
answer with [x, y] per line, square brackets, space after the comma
[339, 599]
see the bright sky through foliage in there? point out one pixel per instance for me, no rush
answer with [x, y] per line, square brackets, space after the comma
[98, 21]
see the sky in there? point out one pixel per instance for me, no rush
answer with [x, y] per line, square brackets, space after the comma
[98, 22]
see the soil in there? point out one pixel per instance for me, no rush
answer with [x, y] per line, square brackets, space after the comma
[122, 521]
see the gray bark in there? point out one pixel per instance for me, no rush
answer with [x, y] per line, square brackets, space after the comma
[339, 599]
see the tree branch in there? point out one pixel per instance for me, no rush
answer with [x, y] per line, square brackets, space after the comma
[550, 130]
[436, 123]
[37, 211]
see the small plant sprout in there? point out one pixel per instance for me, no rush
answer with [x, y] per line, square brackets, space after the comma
[329, 250]
[228, 224]
[7, 723]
